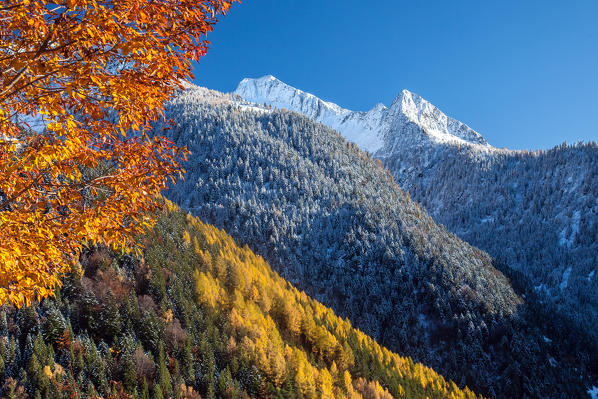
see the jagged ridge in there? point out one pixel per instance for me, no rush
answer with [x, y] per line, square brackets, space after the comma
[377, 130]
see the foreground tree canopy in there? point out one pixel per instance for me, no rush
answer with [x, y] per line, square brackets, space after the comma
[81, 81]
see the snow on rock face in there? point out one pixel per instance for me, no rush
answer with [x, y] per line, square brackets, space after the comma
[433, 122]
[363, 128]
[409, 121]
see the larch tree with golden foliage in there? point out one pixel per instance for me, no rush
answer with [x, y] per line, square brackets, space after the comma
[94, 74]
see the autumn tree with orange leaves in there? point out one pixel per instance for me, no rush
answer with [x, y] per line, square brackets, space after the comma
[92, 75]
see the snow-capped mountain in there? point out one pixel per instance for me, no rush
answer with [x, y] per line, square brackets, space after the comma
[409, 121]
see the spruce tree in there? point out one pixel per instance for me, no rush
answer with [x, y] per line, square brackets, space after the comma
[35, 370]
[111, 322]
[157, 392]
[144, 390]
[128, 374]
[164, 379]
[187, 363]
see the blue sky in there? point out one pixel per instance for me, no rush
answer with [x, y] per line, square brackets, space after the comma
[522, 73]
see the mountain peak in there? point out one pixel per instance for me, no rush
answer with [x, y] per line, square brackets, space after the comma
[409, 107]
[270, 78]
[407, 99]
[265, 78]
[262, 87]
[407, 93]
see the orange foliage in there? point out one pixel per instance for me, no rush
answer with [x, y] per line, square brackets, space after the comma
[95, 73]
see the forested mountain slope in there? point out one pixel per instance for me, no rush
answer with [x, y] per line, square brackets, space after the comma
[536, 212]
[198, 316]
[330, 219]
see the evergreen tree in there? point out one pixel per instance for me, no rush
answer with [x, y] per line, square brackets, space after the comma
[144, 390]
[128, 374]
[111, 322]
[187, 366]
[164, 379]
[54, 326]
[37, 376]
[157, 392]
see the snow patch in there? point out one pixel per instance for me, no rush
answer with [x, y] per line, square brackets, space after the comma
[575, 224]
[565, 280]
[546, 339]
[593, 392]
[423, 321]
[552, 361]
[541, 287]
[590, 275]
[567, 239]
[253, 108]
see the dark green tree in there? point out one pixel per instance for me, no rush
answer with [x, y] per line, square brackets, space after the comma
[164, 379]
[187, 363]
[111, 321]
[128, 373]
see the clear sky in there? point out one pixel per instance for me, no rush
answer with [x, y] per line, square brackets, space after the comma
[523, 73]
